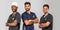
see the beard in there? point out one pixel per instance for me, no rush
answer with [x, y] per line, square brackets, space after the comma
[14, 10]
[27, 9]
[45, 12]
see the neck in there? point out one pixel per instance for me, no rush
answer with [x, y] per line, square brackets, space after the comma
[45, 14]
[28, 12]
[14, 13]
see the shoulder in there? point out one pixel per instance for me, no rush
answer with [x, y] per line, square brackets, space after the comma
[50, 15]
[18, 13]
[24, 13]
[32, 12]
[10, 15]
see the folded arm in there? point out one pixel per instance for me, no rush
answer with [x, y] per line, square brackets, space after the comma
[14, 23]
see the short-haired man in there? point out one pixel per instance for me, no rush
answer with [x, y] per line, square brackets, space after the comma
[46, 21]
[29, 18]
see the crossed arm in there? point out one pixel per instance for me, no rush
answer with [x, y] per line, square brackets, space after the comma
[14, 23]
[42, 25]
[29, 22]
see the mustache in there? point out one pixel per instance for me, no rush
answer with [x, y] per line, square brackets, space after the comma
[27, 9]
[14, 10]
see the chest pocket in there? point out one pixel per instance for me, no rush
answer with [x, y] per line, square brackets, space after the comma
[44, 20]
[12, 18]
[31, 17]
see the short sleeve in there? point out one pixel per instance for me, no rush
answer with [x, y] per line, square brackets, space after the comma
[50, 19]
[18, 18]
[24, 17]
[9, 19]
[40, 20]
[35, 16]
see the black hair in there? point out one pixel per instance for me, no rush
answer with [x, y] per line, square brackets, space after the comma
[46, 5]
[27, 3]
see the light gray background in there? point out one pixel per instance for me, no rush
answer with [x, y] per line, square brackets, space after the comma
[5, 11]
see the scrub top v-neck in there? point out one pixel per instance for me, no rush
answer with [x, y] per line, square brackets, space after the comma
[48, 18]
[12, 18]
[26, 16]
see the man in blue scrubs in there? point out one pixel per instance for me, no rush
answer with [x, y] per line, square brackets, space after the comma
[14, 19]
[46, 21]
[29, 18]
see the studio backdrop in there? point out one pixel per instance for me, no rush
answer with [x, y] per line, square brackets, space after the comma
[36, 7]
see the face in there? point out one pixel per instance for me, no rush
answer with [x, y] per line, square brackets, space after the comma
[14, 8]
[27, 7]
[45, 10]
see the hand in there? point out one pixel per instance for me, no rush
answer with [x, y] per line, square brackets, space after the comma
[6, 24]
[36, 20]
[30, 20]
[42, 25]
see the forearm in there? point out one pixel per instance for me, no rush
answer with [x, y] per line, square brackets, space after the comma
[28, 22]
[14, 23]
[11, 24]
[44, 24]
[35, 20]
[32, 21]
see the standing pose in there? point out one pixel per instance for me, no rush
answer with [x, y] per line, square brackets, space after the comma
[29, 18]
[46, 21]
[14, 19]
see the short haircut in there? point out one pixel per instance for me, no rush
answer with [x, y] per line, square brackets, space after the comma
[27, 3]
[46, 5]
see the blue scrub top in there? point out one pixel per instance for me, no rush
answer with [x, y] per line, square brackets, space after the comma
[26, 16]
